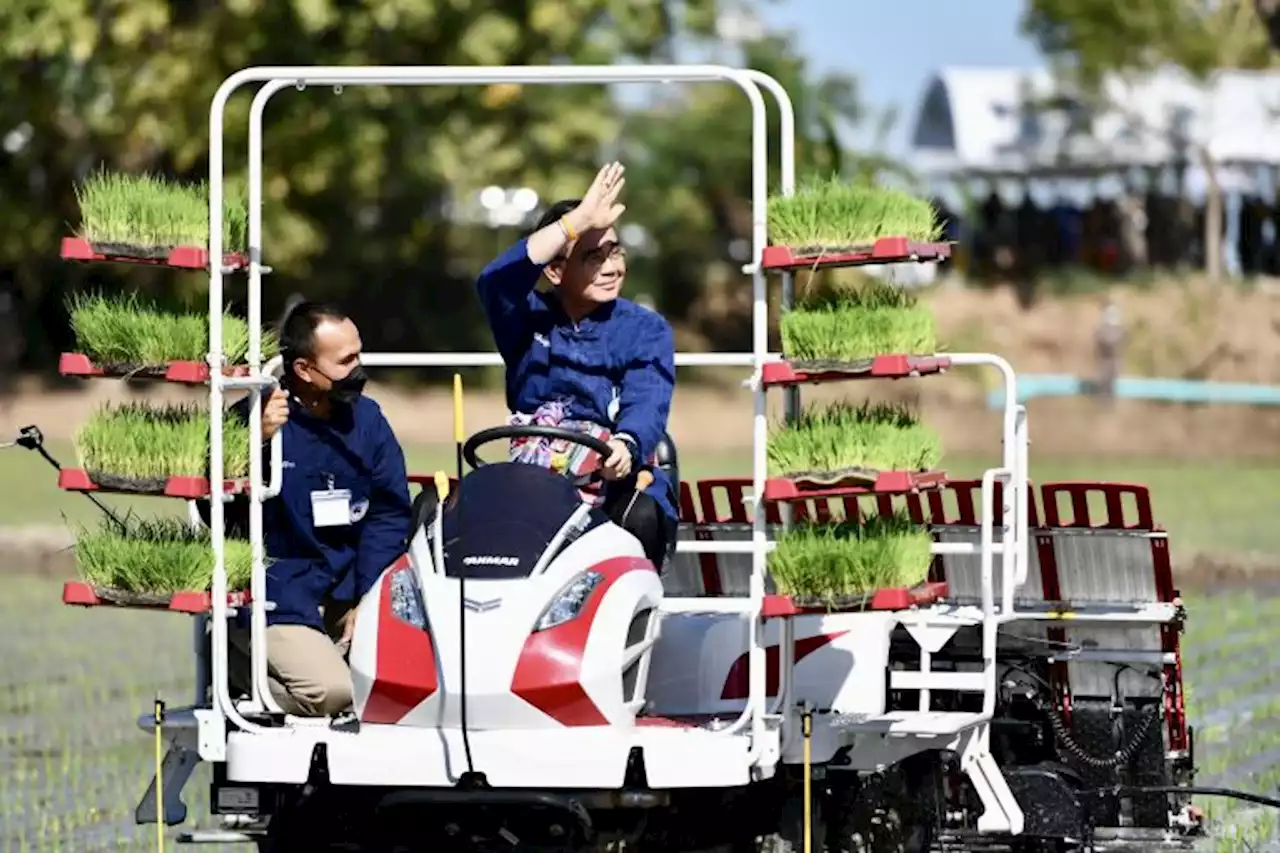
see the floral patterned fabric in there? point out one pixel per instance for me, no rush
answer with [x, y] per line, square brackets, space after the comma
[559, 455]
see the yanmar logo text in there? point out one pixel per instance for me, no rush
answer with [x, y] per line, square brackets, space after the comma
[491, 560]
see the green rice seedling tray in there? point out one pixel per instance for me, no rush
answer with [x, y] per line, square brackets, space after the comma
[845, 564]
[180, 372]
[777, 374]
[847, 325]
[843, 444]
[149, 219]
[159, 563]
[835, 222]
[127, 335]
[82, 594]
[898, 598]
[179, 257]
[849, 483]
[187, 488]
[886, 250]
[140, 448]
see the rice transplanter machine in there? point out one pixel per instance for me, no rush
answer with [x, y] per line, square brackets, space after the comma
[553, 690]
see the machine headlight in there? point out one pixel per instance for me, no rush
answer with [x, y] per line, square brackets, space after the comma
[569, 602]
[406, 598]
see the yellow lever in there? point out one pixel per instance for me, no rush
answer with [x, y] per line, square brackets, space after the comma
[159, 717]
[442, 485]
[807, 722]
[457, 408]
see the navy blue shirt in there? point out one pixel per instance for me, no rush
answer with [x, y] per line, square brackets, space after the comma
[614, 367]
[354, 449]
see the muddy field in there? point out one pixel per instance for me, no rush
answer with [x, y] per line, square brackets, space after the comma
[73, 764]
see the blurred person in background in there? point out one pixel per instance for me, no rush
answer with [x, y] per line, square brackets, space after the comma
[581, 357]
[342, 515]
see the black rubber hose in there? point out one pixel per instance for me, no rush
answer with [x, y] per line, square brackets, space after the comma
[1130, 790]
[1123, 755]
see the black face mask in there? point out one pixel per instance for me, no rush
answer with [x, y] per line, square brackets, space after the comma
[349, 388]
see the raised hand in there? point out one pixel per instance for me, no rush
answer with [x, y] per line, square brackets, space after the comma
[599, 207]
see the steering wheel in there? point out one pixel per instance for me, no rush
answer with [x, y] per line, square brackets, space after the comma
[485, 436]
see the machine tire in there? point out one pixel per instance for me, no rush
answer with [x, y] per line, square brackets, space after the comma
[788, 836]
[310, 826]
[877, 816]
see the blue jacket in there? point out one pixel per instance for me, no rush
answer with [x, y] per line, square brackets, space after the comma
[356, 450]
[615, 367]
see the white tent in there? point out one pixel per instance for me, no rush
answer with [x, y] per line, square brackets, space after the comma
[993, 122]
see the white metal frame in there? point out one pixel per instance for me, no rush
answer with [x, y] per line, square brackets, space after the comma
[1012, 544]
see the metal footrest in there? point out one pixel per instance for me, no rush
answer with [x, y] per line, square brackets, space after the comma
[910, 723]
[178, 765]
[216, 836]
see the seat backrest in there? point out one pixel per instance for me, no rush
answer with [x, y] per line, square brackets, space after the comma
[669, 460]
[423, 509]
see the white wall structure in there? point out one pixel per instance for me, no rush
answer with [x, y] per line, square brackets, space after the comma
[991, 122]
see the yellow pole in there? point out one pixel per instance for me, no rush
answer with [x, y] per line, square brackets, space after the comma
[458, 432]
[159, 714]
[457, 408]
[808, 786]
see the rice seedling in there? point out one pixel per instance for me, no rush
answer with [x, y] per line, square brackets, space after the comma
[844, 437]
[834, 215]
[139, 444]
[836, 324]
[835, 564]
[146, 215]
[156, 555]
[125, 331]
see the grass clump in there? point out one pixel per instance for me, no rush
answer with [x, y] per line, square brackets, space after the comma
[845, 323]
[124, 330]
[836, 563]
[844, 436]
[156, 555]
[833, 215]
[149, 212]
[137, 442]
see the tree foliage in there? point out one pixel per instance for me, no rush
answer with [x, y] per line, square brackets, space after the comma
[1094, 37]
[361, 189]
[1090, 39]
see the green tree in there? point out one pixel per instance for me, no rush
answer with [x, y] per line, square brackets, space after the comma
[1269, 12]
[355, 185]
[360, 188]
[689, 182]
[1092, 38]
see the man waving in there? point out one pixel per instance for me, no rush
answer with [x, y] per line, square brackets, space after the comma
[579, 356]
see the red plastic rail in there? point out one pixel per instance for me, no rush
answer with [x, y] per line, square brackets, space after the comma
[81, 594]
[782, 373]
[886, 250]
[188, 488]
[183, 372]
[887, 482]
[898, 598]
[181, 257]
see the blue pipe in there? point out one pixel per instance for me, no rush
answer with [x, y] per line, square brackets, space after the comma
[1031, 386]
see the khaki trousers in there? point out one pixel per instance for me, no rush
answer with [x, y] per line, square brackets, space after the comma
[307, 670]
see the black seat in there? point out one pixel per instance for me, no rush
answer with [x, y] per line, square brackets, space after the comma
[424, 508]
[669, 460]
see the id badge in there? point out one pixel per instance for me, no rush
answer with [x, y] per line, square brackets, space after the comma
[331, 508]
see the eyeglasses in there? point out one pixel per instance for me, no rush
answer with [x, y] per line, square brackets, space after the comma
[600, 254]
